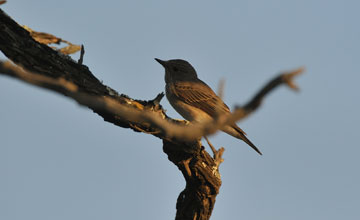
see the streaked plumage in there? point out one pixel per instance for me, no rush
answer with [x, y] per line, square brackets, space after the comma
[193, 99]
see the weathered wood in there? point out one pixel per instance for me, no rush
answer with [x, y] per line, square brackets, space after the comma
[198, 198]
[200, 170]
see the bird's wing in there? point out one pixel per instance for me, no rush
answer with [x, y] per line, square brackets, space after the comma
[200, 95]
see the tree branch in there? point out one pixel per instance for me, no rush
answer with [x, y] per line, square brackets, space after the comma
[147, 120]
[53, 70]
[286, 78]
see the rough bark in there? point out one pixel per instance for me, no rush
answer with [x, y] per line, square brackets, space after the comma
[199, 169]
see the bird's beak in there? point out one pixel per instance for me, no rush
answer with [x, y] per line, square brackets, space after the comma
[162, 62]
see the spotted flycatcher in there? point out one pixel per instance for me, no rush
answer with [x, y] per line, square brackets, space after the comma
[193, 99]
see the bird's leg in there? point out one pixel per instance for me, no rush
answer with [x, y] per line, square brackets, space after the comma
[217, 153]
[211, 146]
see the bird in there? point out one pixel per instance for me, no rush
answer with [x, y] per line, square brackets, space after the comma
[193, 99]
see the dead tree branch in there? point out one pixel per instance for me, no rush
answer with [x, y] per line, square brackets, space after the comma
[286, 78]
[45, 67]
[134, 115]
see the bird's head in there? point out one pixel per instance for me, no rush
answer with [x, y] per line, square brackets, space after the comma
[177, 70]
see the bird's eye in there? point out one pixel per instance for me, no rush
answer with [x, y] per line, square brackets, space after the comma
[175, 69]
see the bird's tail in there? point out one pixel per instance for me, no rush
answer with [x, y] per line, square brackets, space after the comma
[241, 135]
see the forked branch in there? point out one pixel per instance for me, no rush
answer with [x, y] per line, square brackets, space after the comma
[45, 67]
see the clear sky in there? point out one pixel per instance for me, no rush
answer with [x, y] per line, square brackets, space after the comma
[61, 161]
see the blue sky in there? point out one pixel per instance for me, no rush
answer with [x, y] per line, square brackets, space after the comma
[61, 161]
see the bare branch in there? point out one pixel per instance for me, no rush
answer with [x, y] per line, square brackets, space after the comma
[44, 67]
[286, 78]
[82, 52]
[221, 87]
[46, 38]
[138, 118]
